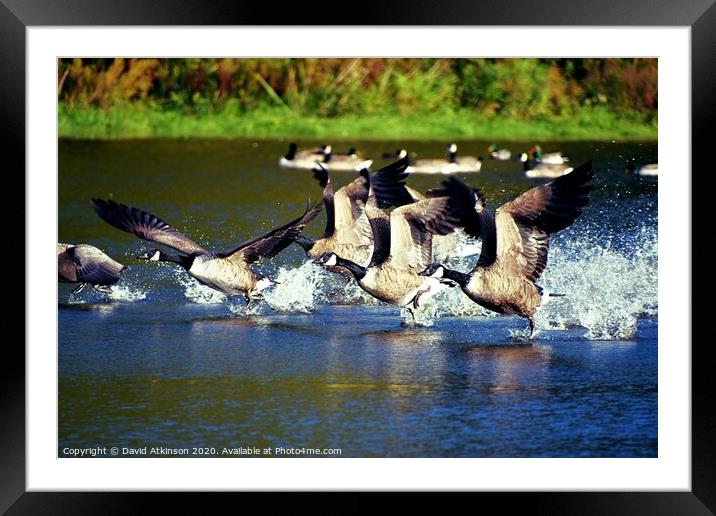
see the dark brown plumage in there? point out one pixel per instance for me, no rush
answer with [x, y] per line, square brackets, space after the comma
[516, 242]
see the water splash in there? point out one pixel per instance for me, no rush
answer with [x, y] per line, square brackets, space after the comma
[296, 289]
[126, 293]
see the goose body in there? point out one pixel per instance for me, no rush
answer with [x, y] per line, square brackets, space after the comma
[402, 247]
[453, 164]
[348, 232]
[349, 162]
[302, 160]
[538, 169]
[515, 242]
[228, 272]
[86, 265]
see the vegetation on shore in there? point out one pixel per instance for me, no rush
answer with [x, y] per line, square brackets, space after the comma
[557, 99]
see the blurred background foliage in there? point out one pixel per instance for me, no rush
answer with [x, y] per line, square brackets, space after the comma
[525, 89]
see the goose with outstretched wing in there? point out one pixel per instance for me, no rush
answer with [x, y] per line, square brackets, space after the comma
[402, 248]
[348, 232]
[515, 243]
[228, 272]
[87, 265]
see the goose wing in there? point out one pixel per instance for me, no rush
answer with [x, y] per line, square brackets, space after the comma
[525, 223]
[273, 242]
[412, 227]
[93, 266]
[145, 226]
[387, 185]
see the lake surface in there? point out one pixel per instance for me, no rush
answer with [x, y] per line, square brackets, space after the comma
[167, 363]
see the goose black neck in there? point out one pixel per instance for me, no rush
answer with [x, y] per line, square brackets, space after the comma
[357, 271]
[452, 157]
[456, 276]
[291, 154]
[183, 260]
[305, 242]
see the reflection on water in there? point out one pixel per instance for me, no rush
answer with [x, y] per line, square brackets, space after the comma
[162, 361]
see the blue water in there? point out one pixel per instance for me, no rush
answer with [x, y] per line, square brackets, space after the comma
[165, 362]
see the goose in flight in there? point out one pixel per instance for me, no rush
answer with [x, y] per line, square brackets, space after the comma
[402, 247]
[86, 265]
[515, 243]
[348, 232]
[228, 272]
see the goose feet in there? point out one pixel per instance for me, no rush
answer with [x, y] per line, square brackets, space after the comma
[80, 288]
[532, 327]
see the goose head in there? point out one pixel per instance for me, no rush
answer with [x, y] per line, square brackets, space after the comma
[522, 157]
[327, 259]
[434, 270]
[153, 255]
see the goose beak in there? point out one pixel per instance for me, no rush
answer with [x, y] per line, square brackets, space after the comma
[317, 261]
[424, 273]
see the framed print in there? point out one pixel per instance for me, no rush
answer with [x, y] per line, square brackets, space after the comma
[205, 320]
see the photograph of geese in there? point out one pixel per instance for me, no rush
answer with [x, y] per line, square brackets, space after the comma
[364, 273]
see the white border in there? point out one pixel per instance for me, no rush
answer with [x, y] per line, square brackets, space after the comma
[670, 471]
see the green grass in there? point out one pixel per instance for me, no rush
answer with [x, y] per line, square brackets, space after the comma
[149, 121]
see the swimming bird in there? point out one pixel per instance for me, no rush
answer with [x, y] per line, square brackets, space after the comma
[551, 158]
[651, 169]
[347, 230]
[443, 166]
[537, 169]
[498, 154]
[350, 162]
[402, 246]
[86, 265]
[227, 272]
[304, 159]
[515, 243]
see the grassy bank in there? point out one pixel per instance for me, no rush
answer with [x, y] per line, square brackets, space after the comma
[148, 121]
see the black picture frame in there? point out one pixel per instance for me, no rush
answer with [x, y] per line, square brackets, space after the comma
[700, 15]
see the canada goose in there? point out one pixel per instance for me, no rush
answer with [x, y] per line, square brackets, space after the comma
[304, 159]
[444, 246]
[350, 162]
[498, 154]
[227, 272]
[444, 166]
[651, 169]
[86, 265]
[515, 243]
[551, 158]
[536, 169]
[402, 246]
[347, 230]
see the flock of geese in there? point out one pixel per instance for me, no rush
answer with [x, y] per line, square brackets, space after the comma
[388, 253]
[535, 163]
